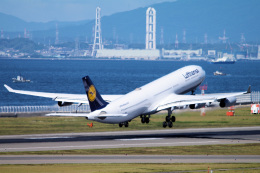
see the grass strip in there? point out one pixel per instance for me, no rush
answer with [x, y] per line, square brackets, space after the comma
[184, 119]
[230, 149]
[118, 168]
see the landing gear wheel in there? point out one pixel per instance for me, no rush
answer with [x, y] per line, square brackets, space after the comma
[147, 120]
[126, 124]
[169, 119]
[170, 124]
[120, 125]
[143, 119]
[164, 124]
[173, 119]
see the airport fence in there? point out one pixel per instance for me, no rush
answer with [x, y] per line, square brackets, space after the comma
[254, 97]
[44, 108]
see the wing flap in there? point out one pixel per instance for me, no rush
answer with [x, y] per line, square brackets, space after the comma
[183, 100]
[182, 103]
[71, 100]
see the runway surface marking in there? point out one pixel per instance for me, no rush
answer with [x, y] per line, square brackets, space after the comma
[52, 159]
[101, 146]
[138, 139]
[135, 132]
[124, 139]
[57, 137]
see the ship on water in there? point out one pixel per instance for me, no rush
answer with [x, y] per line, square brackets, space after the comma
[219, 73]
[223, 60]
[20, 79]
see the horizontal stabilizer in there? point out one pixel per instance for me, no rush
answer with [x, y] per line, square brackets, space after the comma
[85, 115]
[112, 115]
[68, 114]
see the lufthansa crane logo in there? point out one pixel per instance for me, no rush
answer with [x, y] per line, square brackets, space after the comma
[92, 93]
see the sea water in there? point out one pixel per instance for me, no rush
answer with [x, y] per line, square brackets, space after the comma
[112, 76]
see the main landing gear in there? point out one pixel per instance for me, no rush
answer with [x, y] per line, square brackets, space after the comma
[145, 119]
[123, 124]
[169, 119]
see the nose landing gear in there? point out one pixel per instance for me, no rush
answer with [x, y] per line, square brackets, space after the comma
[123, 124]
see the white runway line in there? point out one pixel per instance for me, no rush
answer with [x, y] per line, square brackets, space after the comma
[104, 146]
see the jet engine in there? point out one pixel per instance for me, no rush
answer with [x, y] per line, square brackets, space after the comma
[197, 105]
[60, 103]
[226, 102]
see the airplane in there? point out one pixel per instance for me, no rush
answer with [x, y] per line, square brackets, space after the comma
[165, 93]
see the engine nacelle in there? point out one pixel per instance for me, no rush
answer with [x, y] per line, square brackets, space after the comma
[60, 103]
[227, 102]
[197, 106]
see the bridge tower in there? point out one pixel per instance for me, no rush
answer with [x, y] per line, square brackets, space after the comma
[184, 36]
[242, 39]
[25, 33]
[97, 36]
[2, 34]
[224, 38]
[57, 35]
[150, 41]
[205, 38]
[176, 42]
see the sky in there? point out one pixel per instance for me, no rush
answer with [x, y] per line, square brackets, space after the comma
[68, 10]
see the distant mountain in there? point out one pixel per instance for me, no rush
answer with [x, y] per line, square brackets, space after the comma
[196, 17]
[11, 23]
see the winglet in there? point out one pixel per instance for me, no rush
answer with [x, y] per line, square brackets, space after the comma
[8, 88]
[249, 89]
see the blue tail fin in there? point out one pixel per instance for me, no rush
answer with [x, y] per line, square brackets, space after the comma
[94, 98]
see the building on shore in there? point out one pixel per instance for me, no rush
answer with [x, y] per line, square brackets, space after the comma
[135, 54]
[155, 54]
[182, 54]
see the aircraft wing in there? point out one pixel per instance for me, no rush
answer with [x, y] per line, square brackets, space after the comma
[175, 100]
[72, 98]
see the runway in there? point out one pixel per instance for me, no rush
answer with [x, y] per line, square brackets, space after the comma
[52, 159]
[124, 139]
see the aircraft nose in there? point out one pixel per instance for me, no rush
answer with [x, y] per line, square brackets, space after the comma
[203, 74]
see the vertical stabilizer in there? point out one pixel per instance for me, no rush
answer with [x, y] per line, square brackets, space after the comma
[94, 98]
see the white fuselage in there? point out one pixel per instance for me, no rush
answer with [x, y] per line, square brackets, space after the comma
[144, 100]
